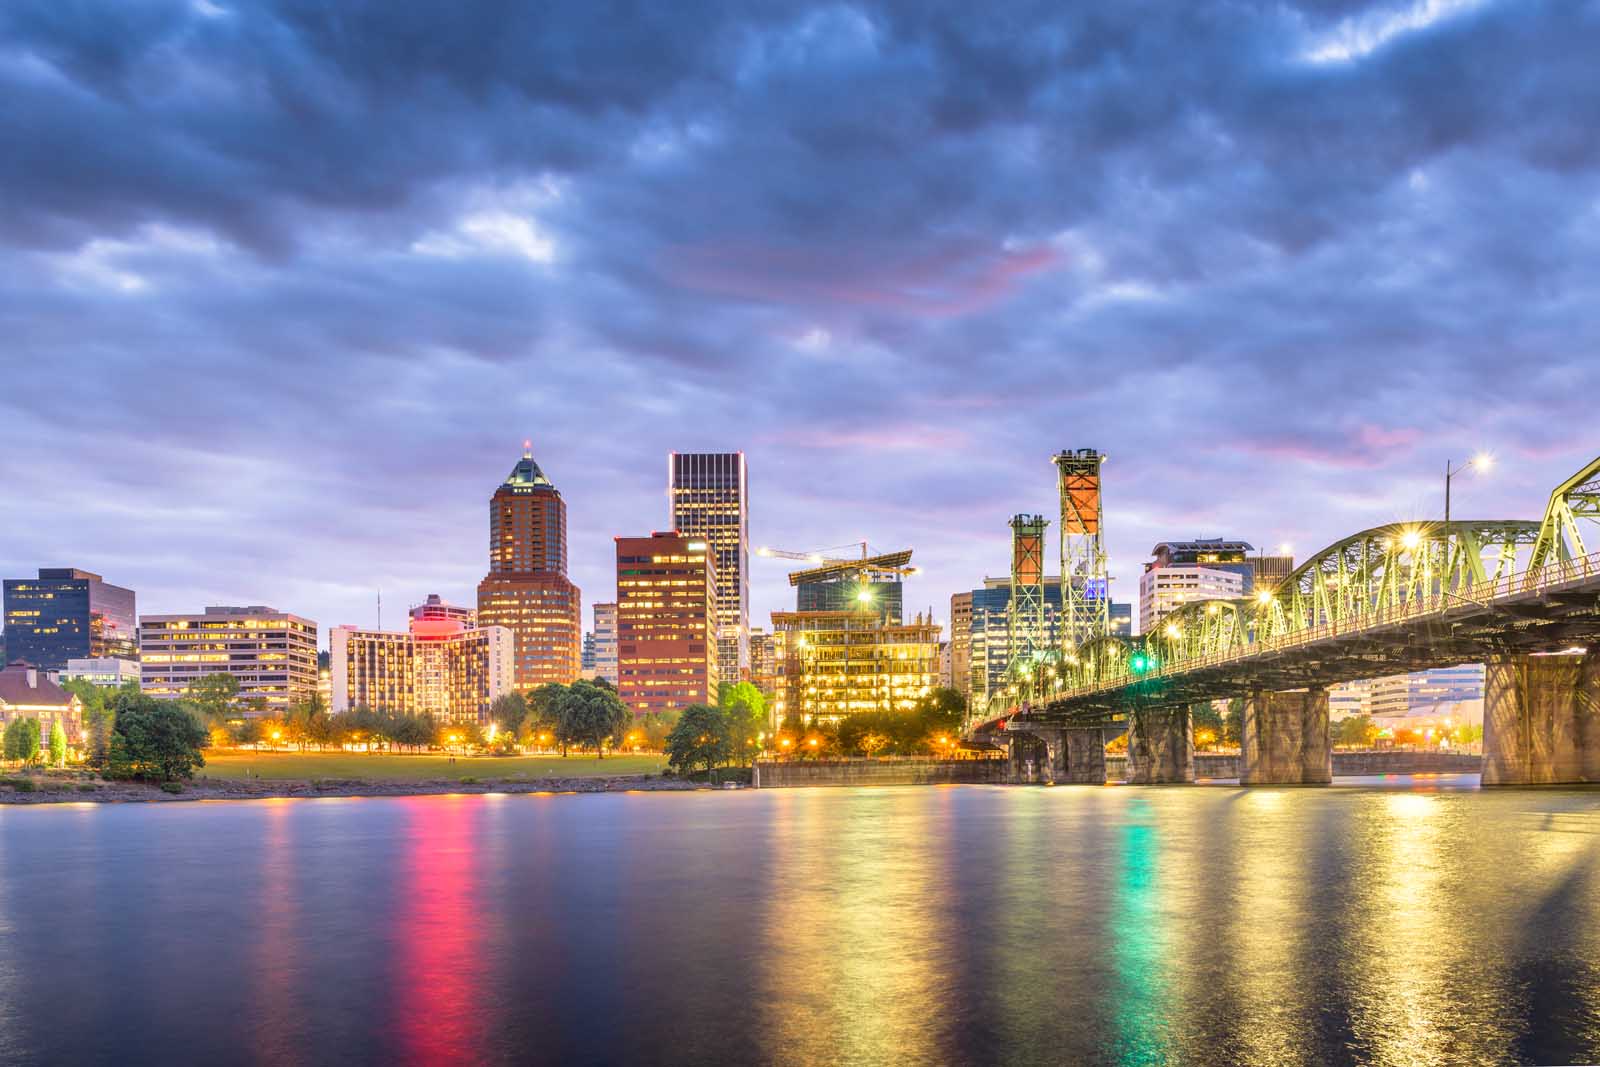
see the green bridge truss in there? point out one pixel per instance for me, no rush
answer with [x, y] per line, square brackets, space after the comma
[1365, 579]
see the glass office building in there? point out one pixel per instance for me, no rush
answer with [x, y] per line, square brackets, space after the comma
[67, 614]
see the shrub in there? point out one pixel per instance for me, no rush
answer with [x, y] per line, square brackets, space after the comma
[172, 787]
[469, 781]
[24, 785]
[88, 789]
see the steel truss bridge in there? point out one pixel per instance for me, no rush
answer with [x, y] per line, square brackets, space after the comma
[1395, 598]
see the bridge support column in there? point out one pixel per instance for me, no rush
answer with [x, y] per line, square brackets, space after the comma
[1027, 758]
[1062, 755]
[1541, 720]
[1160, 746]
[1284, 739]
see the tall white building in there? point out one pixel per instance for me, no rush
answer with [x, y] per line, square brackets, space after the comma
[605, 642]
[444, 666]
[1163, 589]
[272, 654]
[710, 501]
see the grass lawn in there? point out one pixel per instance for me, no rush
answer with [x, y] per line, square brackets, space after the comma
[405, 768]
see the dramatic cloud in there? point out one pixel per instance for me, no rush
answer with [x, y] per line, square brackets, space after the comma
[286, 284]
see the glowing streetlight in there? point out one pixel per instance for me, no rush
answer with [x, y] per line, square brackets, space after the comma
[1411, 538]
[1480, 463]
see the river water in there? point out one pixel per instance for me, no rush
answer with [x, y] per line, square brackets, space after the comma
[1405, 922]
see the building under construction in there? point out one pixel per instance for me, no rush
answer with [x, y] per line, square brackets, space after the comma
[871, 583]
[847, 649]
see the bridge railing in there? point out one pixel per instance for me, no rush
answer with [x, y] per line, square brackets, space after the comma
[1519, 584]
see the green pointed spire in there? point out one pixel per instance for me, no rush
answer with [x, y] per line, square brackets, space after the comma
[526, 474]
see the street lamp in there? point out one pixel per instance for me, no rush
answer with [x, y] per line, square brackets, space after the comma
[1480, 463]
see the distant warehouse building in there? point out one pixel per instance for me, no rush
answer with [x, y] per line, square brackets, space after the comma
[445, 666]
[271, 653]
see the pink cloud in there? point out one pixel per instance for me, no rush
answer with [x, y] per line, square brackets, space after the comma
[957, 278]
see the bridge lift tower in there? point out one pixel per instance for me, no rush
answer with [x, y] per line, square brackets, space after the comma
[1025, 623]
[1085, 585]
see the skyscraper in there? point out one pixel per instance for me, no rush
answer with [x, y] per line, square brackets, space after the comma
[710, 502]
[961, 642]
[605, 642]
[666, 622]
[527, 590]
[67, 614]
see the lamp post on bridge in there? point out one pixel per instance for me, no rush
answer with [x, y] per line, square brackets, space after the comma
[1480, 463]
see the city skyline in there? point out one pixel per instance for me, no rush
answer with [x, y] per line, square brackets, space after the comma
[897, 314]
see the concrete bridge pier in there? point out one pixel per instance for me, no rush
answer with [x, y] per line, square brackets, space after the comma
[1061, 755]
[1160, 746]
[1541, 720]
[1284, 738]
[1026, 756]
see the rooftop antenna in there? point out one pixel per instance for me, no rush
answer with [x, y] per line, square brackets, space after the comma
[380, 610]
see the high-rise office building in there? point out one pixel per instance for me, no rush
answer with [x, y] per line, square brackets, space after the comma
[961, 642]
[444, 666]
[586, 658]
[527, 590]
[983, 645]
[989, 650]
[666, 622]
[710, 502]
[271, 653]
[68, 614]
[763, 660]
[605, 642]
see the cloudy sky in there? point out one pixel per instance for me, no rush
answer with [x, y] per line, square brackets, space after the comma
[283, 287]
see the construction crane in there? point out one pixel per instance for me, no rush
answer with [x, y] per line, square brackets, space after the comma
[815, 558]
[824, 567]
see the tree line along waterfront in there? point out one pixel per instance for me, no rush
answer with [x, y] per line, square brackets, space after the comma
[129, 735]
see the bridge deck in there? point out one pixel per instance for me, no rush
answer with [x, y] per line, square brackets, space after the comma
[1549, 609]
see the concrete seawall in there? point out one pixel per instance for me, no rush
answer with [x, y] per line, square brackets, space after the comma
[1345, 764]
[784, 774]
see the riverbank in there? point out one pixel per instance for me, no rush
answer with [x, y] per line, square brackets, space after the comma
[49, 789]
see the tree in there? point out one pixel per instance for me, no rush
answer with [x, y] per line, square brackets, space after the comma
[1356, 731]
[508, 712]
[155, 741]
[941, 712]
[746, 709]
[1233, 722]
[22, 740]
[307, 722]
[213, 695]
[1207, 724]
[98, 716]
[871, 744]
[589, 714]
[542, 706]
[58, 744]
[700, 738]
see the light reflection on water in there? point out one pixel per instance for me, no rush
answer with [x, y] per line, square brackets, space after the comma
[931, 925]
